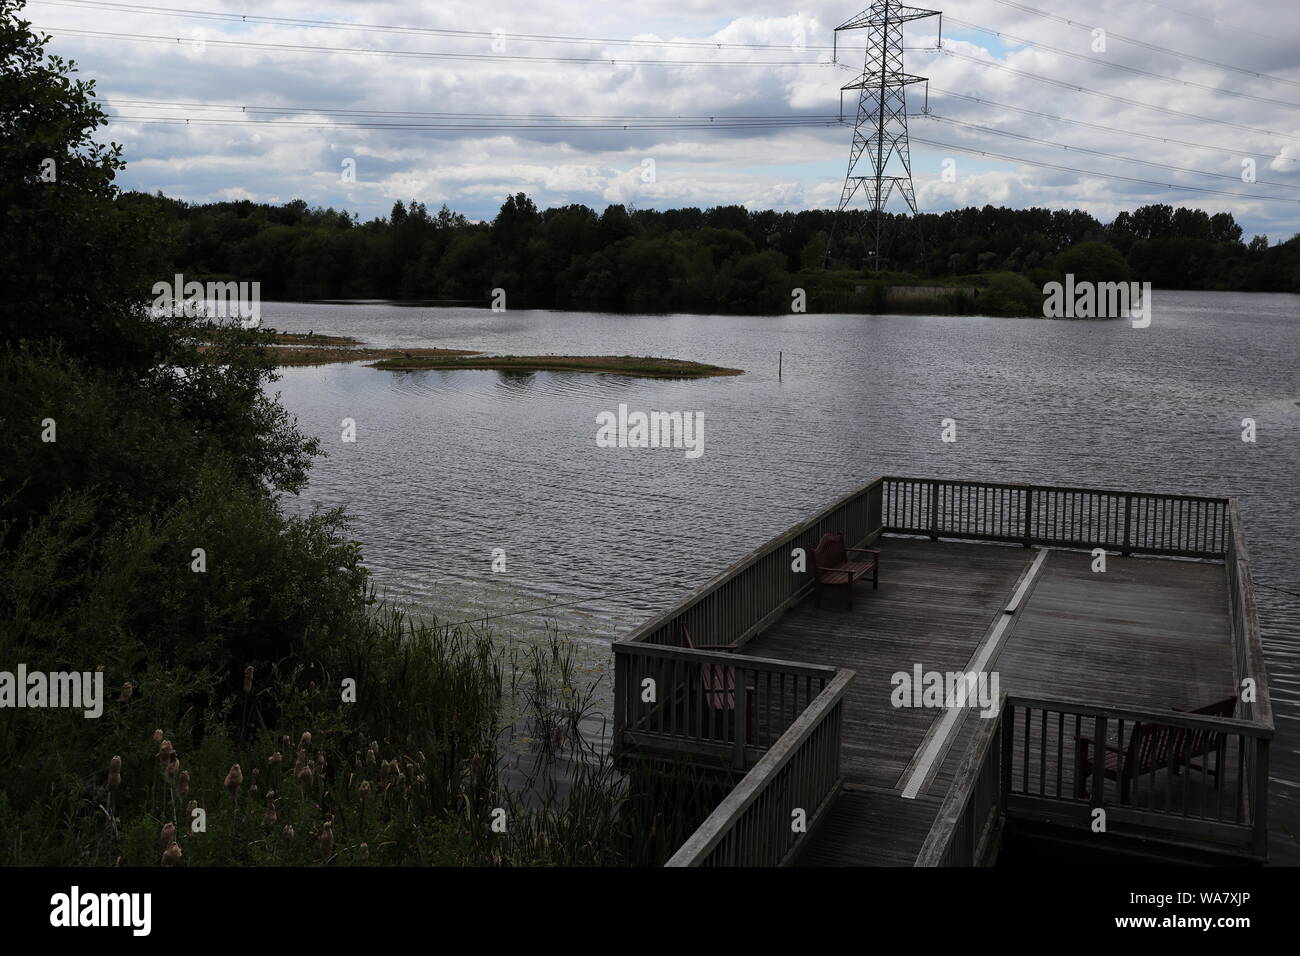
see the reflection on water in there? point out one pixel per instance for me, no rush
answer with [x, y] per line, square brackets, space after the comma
[448, 465]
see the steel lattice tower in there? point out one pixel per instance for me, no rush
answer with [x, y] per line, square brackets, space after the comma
[880, 131]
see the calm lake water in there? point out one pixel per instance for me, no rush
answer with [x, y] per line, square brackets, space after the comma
[448, 466]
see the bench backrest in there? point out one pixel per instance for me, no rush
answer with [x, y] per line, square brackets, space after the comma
[1151, 744]
[1199, 740]
[830, 551]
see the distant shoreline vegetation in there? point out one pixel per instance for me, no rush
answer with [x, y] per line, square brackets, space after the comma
[726, 259]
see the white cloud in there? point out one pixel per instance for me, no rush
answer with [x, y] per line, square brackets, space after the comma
[473, 170]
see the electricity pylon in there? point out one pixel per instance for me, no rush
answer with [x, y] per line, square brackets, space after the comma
[880, 132]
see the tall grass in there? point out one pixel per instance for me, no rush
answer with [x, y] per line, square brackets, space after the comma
[458, 750]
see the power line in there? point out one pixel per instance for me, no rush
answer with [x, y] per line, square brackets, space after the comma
[1210, 20]
[465, 127]
[1074, 87]
[1112, 129]
[1087, 172]
[1088, 58]
[1098, 152]
[561, 118]
[259, 109]
[188, 13]
[419, 54]
[1111, 34]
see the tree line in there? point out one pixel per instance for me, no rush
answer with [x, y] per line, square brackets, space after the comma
[722, 259]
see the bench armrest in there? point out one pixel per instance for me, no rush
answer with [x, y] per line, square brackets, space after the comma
[863, 551]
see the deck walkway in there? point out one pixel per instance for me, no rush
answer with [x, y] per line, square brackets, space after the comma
[1147, 633]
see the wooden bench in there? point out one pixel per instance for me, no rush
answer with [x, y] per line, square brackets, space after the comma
[832, 567]
[1152, 748]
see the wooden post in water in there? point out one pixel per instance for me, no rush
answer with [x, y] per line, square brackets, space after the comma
[778, 366]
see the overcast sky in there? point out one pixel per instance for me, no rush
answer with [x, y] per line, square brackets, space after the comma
[779, 168]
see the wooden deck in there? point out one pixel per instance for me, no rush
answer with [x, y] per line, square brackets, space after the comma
[1146, 633]
[795, 703]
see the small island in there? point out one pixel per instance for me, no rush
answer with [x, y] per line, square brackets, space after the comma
[291, 349]
[643, 366]
[312, 348]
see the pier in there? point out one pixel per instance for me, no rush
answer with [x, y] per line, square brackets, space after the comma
[792, 710]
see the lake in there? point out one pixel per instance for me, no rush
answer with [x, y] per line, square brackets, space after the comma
[449, 465]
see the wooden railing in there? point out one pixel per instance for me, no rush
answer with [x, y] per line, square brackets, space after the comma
[1248, 671]
[744, 599]
[771, 699]
[964, 831]
[1155, 773]
[766, 818]
[1127, 521]
[709, 704]
[1248, 652]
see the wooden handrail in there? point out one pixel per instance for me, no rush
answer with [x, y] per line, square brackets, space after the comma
[777, 543]
[1022, 486]
[960, 812]
[1127, 521]
[1063, 772]
[726, 657]
[1171, 718]
[1248, 650]
[734, 806]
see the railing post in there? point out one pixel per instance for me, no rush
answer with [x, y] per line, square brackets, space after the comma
[934, 511]
[1259, 797]
[1128, 526]
[1029, 516]
[620, 698]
